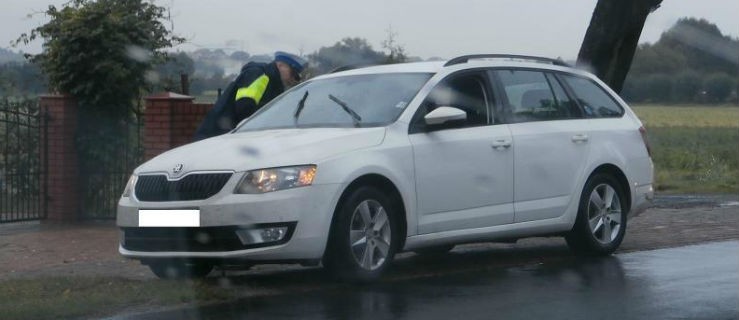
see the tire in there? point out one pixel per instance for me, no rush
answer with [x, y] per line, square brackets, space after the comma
[364, 236]
[180, 269]
[434, 251]
[601, 223]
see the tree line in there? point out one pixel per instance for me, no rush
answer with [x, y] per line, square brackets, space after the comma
[209, 70]
[692, 62]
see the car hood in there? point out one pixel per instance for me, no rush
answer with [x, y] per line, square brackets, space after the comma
[263, 149]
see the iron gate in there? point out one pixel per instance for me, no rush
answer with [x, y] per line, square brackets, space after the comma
[103, 179]
[23, 161]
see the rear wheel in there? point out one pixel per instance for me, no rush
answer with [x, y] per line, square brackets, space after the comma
[180, 269]
[601, 219]
[364, 236]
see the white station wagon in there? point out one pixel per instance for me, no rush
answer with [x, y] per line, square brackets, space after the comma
[350, 168]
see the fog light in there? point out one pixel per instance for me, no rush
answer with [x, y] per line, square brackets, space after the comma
[261, 235]
[273, 234]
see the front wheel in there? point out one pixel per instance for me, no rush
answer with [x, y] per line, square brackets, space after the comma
[601, 219]
[364, 236]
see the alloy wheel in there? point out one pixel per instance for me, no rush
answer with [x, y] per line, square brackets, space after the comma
[604, 213]
[369, 235]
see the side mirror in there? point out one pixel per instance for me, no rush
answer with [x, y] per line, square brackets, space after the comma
[443, 115]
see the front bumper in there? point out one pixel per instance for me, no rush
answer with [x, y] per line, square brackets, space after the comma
[308, 210]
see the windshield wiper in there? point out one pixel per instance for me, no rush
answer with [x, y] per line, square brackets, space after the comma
[348, 110]
[301, 105]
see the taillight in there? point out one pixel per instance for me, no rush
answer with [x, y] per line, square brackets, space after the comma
[643, 133]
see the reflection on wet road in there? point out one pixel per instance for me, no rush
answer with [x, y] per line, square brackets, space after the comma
[693, 282]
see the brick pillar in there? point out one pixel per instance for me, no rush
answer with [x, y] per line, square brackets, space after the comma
[62, 171]
[160, 122]
[185, 121]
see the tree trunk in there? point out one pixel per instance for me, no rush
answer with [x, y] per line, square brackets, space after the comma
[612, 37]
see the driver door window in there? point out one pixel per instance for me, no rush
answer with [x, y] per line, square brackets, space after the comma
[465, 92]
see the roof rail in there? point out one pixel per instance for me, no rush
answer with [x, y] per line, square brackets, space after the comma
[466, 58]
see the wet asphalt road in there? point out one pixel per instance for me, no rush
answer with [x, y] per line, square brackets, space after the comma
[693, 282]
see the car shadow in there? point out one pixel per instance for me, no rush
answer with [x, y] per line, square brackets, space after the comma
[476, 272]
[406, 266]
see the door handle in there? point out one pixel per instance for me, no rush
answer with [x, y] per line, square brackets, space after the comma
[580, 138]
[501, 144]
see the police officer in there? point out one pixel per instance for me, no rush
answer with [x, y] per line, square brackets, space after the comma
[257, 84]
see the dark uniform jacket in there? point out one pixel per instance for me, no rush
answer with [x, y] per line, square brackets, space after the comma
[257, 84]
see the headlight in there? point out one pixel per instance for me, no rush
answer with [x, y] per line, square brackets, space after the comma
[129, 186]
[268, 180]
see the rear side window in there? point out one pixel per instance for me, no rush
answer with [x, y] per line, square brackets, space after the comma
[532, 96]
[595, 101]
[568, 106]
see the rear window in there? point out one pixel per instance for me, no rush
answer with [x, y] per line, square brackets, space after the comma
[595, 101]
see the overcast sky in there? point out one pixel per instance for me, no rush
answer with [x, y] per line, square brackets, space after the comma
[426, 28]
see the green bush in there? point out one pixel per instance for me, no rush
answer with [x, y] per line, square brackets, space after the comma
[658, 88]
[718, 86]
[687, 86]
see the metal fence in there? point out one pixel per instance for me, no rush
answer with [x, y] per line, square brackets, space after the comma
[22, 150]
[103, 178]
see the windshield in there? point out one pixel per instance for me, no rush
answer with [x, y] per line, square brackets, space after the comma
[350, 101]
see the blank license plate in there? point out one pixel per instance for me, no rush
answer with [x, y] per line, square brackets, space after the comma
[169, 218]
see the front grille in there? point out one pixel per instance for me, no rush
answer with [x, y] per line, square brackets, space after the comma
[181, 239]
[192, 187]
[193, 239]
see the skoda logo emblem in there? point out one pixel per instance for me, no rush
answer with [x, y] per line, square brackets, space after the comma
[177, 168]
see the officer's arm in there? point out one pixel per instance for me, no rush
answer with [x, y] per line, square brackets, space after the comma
[248, 97]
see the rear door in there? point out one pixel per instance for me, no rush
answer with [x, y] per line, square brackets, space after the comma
[550, 142]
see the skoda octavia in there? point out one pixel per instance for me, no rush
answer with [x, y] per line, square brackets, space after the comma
[350, 168]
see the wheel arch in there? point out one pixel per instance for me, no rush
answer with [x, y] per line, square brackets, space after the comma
[618, 174]
[383, 184]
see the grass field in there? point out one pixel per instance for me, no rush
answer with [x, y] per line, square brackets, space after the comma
[83, 297]
[695, 148]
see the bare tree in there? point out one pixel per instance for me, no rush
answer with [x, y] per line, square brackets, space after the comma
[612, 37]
[396, 51]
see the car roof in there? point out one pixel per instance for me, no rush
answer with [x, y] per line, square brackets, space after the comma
[438, 66]
[411, 67]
